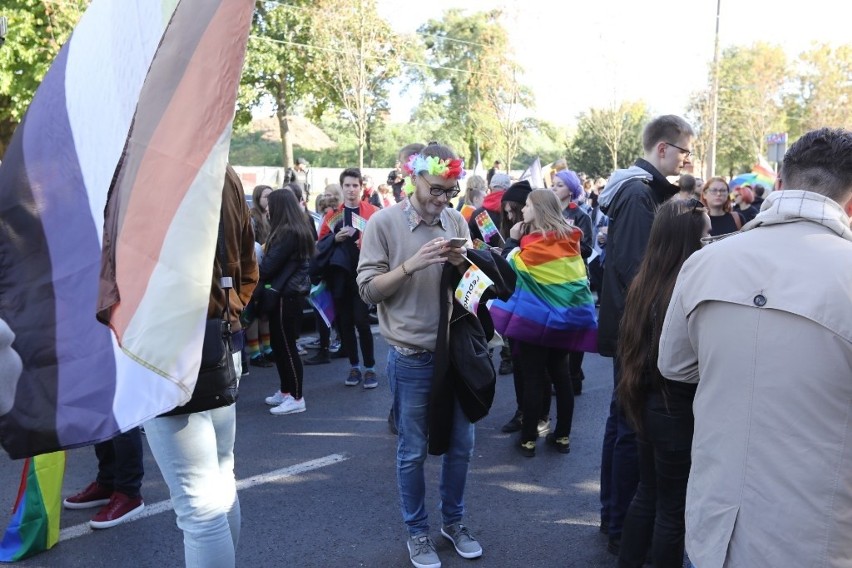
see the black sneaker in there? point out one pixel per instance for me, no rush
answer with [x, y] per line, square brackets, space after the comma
[562, 445]
[505, 367]
[261, 361]
[515, 424]
[527, 449]
[320, 358]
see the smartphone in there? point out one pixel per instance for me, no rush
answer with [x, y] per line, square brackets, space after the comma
[458, 242]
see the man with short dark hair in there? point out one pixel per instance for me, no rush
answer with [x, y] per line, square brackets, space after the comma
[350, 310]
[759, 190]
[771, 476]
[631, 199]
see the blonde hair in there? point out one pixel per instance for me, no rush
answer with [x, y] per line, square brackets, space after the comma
[548, 213]
[476, 182]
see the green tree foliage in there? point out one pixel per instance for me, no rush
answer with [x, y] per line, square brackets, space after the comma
[608, 139]
[275, 73]
[37, 30]
[469, 60]
[360, 60]
[824, 96]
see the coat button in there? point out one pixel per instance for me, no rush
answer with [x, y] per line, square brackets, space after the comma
[760, 300]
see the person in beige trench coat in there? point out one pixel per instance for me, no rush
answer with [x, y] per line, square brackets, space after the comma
[762, 321]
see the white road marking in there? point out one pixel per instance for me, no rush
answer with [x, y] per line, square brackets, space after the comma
[75, 531]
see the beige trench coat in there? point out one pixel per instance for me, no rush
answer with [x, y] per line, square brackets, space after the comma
[763, 322]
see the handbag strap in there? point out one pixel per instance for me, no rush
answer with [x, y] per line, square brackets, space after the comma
[226, 282]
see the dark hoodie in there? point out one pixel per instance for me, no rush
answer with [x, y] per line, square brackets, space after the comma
[631, 208]
[492, 204]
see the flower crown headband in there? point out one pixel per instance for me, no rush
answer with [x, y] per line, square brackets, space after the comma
[432, 165]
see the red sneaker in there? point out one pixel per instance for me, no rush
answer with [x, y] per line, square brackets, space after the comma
[95, 495]
[119, 509]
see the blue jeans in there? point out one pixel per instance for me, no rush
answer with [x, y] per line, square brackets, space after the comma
[410, 379]
[619, 464]
[195, 453]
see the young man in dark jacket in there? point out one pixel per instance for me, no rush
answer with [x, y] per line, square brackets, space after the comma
[631, 199]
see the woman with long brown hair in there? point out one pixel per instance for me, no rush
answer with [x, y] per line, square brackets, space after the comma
[258, 345]
[288, 250]
[659, 410]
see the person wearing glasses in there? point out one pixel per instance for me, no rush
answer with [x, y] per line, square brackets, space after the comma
[771, 476]
[631, 199]
[351, 312]
[402, 258]
[715, 195]
[659, 410]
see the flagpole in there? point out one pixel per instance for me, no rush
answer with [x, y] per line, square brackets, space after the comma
[711, 154]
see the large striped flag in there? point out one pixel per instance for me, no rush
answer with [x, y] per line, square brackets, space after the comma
[552, 304]
[170, 71]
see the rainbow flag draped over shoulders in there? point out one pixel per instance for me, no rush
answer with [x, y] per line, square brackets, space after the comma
[169, 70]
[35, 520]
[552, 304]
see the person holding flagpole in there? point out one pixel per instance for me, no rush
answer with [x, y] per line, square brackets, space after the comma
[550, 313]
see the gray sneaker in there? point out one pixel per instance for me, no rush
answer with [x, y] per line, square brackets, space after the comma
[460, 536]
[421, 551]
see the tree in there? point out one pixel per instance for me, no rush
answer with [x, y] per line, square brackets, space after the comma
[469, 60]
[37, 30]
[509, 105]
[361, 58]
[608, 139]
[824, 97]
[276, 73]
[751, 84]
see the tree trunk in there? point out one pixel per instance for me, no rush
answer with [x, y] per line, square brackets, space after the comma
[284, 127]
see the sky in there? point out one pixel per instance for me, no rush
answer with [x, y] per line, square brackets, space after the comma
[591, 53]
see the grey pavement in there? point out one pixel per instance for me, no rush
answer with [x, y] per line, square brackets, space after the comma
[319, 488]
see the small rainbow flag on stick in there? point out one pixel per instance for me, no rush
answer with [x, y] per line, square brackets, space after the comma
[334, 220]
[479, 244]
[359, 222]
[467, 211]
[34, 526]
[487, 226]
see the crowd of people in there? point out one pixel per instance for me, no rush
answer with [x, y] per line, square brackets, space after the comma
[723, 310]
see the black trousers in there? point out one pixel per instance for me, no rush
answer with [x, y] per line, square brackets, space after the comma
[120, 462]
[284, 325]
[352, 313]
[655, 518]
[536, 363]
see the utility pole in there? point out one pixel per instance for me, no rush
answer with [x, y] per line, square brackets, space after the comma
[711, 155]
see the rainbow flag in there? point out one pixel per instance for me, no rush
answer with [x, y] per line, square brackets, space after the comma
[34, 526]
[359, 222]
[486, 226]
[320, 298]
[552, 304]
[473, 284]
[334, 219]
[480, 245]
[137, 106]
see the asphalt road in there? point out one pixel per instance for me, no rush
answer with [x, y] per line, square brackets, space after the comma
[318, 489]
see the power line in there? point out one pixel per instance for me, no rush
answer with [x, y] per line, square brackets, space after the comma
[374, 57]
[424, 34]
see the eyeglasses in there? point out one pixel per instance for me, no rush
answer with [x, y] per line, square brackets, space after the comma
[716, 191]
[437, 190]
[684, 150]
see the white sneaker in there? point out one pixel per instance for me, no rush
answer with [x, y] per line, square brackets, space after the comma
[277, 398]
[289, 406]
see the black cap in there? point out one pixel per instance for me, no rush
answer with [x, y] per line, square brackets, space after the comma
[517, 192]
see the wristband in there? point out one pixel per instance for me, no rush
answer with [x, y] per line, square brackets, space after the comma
[404, 271]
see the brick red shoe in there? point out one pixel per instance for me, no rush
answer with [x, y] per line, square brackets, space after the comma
[119, 509]
[95, 495]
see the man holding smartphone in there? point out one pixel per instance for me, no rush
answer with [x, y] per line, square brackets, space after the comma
[402, 258]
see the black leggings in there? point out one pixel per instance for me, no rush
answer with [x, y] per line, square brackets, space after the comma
[284, 327]
[535, 360]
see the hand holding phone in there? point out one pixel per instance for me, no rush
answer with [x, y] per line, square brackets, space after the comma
[457, 242]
